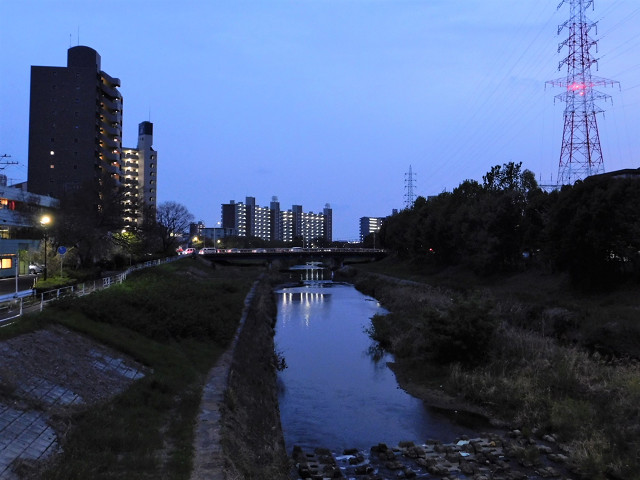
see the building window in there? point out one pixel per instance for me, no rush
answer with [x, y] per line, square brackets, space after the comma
[6, 263]
[51, 166]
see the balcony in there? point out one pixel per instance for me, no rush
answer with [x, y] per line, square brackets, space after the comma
[110, 80]
[110, 104]
[108, 129]
[109, 142]
[111, 92]
[108, 155]
[111, 117]
[113, 169]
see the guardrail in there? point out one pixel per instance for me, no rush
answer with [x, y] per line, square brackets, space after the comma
[13, 306]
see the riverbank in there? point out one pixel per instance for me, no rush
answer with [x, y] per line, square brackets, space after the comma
[164, 325]
[525, 378]
[251, 433]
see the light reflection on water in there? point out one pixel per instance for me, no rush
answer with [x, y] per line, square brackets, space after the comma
[335, 393]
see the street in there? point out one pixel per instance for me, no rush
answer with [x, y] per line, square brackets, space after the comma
[25, 282]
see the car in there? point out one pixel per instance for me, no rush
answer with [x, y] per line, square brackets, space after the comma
[207, 250]
[34, 268]
[189, 251]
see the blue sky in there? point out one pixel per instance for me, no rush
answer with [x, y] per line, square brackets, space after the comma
[327, 101]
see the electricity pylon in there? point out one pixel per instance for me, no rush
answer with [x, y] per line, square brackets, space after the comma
[580, 154]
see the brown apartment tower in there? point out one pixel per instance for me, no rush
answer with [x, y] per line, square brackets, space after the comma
[75, 124]
[75, 131]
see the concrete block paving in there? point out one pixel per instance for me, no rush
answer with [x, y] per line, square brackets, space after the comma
[24, 435]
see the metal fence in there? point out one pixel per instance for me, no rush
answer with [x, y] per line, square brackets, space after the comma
[14, 305]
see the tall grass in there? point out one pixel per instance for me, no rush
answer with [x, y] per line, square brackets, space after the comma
[175, 319]
[541, 370]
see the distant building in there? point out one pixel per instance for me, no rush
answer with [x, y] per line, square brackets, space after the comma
[75, 130]
[210, 237]
[369, 225]
[272, 223]
[20, 213]
[140, 177]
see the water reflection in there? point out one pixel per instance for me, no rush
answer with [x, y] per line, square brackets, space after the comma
[337, 391]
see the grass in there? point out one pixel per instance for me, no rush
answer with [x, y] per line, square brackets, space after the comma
[561, 362]
[176, 319]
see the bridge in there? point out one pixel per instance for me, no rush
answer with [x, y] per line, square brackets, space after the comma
[332, 256]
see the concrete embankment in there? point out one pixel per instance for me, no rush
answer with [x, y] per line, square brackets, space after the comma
[238, 434]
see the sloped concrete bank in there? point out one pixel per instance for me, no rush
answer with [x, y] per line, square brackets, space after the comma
[239, 435]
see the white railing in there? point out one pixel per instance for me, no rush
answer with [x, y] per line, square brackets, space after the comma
[13, 306]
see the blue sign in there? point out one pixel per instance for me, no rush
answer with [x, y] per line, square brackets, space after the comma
[62, 250]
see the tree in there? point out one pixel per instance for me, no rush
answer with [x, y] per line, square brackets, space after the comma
[88, 217]
[172, 220]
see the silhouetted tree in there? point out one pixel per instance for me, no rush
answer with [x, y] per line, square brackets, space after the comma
[172, 220]
[87, 219]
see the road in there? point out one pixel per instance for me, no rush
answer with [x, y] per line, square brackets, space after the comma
[25, 282]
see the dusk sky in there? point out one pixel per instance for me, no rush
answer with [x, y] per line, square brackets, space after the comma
[328, 101]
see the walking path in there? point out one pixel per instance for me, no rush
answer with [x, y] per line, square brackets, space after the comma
[208, 461]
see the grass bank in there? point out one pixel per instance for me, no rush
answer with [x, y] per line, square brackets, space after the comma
[176, 319]
[526, 349]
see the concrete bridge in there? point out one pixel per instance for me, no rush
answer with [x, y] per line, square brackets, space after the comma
[333, 257]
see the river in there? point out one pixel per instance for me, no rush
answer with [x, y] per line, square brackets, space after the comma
[336, 392]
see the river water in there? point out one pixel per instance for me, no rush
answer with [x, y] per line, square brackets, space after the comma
[334, 392]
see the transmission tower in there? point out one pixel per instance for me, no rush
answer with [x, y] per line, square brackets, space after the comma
[409, 197]
[580, 154]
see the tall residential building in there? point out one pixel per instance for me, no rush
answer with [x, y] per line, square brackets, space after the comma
[75, 133]
[369, 225]
[75, 124]
[140, 168]
[272, 223]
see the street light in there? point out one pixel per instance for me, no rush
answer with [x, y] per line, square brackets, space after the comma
[45, 220]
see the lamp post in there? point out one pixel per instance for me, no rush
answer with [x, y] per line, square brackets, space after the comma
[45, 220]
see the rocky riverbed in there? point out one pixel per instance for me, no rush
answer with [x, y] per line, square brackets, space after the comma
[509, 456]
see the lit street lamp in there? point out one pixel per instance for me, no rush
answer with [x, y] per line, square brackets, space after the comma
[45, 220]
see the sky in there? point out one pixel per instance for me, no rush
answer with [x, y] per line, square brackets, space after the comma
[328, 101]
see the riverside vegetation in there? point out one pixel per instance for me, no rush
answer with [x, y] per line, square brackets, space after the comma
[528, 349]
[176, 320]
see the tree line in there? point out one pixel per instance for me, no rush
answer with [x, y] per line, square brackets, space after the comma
[508, 223]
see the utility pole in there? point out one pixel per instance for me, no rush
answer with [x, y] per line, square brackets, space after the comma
[4, 163]
[580, 154]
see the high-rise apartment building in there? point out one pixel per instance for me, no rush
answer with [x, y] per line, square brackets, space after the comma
[75, 131]
[75, 124]
[272, 223]
[140, 177]
[369, 225]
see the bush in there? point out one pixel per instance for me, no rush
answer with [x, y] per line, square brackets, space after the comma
[463, 334]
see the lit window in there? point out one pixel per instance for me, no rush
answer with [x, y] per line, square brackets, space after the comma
[6, 263]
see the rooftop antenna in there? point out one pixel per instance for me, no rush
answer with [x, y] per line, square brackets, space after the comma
[409, 197]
